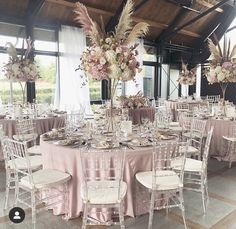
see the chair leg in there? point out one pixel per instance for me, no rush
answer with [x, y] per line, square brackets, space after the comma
[151, 210]
[182, 208]
[16, 191]
[203, 198]
[33, 207]
[85, 216]
[121, 215]
[7, 189]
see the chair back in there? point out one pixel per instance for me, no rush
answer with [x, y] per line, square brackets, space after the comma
[206, 150]
[102, 167]
[198, 125]
[18, 151]
[185, 120]
[25, 126]
[233, 130]
[213, 98]
[165, 155]
[182, 106]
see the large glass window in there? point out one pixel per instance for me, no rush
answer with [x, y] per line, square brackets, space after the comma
[45, 86]
[148, 81]
[95, 89]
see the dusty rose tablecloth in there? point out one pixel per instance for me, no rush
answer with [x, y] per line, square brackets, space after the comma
[137, 114]
[68, 160]
[43, 125]
[221, 128]
[173, 106]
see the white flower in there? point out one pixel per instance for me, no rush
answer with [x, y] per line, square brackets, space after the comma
[218, 69]
[118, 50]
[220, 76]
[108, 40]
[122, 66]
[26, 69]
[102, 60]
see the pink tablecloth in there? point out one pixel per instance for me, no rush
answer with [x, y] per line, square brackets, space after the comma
[221, 128]
[137, 114]
[43, 125]
[68, 160]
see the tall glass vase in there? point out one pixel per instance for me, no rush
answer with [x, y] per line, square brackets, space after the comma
[112, 90]
[23, 90]
[223, 87]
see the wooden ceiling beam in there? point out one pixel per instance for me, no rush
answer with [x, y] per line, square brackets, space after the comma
[209, 5]
[154, 24]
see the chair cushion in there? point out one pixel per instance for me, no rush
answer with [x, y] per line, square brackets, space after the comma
[34, 150]
[231, 139]
[174, 124]
[103, 192]
[25, 137]
[45, 178]
[165, 180]
[191, 150]
[192, 165]
[35, 163]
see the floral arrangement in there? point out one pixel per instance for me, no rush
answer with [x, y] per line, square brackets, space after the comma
[110, 56]
[20, 69]
[133, 101]
[222, 67]
[187, 77]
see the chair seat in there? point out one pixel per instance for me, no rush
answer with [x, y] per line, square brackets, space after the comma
[25, 137]
[231, 139]
[45, 178]
[165, 180]
[193, 135]
[35, 163]
[191, 150]
[176, 129]
[174, 124]
[103, 192]
[191, 165]
[34, 150]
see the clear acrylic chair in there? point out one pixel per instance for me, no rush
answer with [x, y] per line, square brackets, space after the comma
[182, 106]
[26, 132]
[195, 172]
[213, 98]
[103, 185]
[29, 185]
[230, 143]
[11, 176]
[196, 136]
[163, 182]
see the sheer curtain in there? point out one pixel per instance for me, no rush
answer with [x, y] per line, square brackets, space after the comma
[71, 93]
[131, 87]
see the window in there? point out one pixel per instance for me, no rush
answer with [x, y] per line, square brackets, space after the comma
[45, 86]
[148, 81]
[95, 89]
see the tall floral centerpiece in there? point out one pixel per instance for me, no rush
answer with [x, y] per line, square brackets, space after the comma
[21, 68]
[222, 66]
[111, 56]
[187, 77]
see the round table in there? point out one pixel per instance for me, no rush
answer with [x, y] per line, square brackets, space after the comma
[137, 114]
[221, 128]
[67, 159]
[43, 125]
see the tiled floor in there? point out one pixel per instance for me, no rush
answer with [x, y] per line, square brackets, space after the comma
[221, 211]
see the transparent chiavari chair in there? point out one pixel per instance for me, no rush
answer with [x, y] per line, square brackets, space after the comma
[196, 137]
[29, 185]
[230, 143]
[182, 106]
[195, 172]
[213, 98]
[26, 132]
[163, 117]
[163, 182]
[103, 185]
[35, 163]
